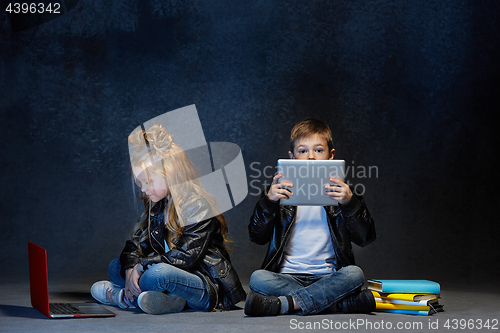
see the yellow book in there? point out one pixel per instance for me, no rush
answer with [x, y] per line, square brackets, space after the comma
[383, 303]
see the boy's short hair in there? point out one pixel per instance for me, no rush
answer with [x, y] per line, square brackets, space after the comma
[309, 127]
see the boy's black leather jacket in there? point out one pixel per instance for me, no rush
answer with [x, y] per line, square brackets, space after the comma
[199, 250]
[271, 223]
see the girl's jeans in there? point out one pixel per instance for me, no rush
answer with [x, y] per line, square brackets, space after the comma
[166, 278]
[314, 293]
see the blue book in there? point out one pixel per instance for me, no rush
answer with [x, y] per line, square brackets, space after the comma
[412, 312]
[405, 286]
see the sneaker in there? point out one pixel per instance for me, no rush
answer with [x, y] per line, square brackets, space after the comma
[258, 305]
[363, 302]
[155, 302]
[107, 293]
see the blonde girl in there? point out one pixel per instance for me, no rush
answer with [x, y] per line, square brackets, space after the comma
[176, 257]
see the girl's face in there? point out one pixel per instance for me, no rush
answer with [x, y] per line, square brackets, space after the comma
[155, 186]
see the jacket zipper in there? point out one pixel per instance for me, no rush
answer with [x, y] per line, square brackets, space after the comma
[338, 251]
[216, 293]
[282, 243]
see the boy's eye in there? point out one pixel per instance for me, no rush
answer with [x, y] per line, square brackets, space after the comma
[301, 151]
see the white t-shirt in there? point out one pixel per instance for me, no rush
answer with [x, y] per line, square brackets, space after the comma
[309, 247]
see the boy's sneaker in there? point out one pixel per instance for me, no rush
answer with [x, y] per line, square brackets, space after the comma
[107, 293]
[258, 305]
[363, 302]
[155, 302]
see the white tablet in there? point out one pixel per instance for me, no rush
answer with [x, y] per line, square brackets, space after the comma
[309, 178]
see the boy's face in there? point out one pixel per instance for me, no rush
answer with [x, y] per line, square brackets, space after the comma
[155, 186]
[312, 147]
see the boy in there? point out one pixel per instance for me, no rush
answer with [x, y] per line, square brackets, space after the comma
[309, 266]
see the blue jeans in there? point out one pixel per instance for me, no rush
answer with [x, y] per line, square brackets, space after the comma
[168, 279]
[313, 293]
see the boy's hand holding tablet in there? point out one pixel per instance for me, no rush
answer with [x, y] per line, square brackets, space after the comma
[338, 191]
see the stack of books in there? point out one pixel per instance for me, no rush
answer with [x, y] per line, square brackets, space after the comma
[414, 297]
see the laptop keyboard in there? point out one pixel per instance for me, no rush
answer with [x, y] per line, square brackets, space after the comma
[63, 308]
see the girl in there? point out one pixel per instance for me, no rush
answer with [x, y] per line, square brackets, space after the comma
[177, 253]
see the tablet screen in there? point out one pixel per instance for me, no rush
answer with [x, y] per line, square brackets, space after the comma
[309, 178]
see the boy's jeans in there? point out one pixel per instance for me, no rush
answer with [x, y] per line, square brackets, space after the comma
[169, 279]
[314, 293]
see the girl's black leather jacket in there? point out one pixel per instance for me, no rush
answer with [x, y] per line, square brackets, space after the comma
[271, 223]
[199, 250]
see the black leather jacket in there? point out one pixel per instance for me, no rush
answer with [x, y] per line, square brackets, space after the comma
[199, 250]
[271, 223]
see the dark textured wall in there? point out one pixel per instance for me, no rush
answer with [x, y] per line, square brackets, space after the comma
[408, 87]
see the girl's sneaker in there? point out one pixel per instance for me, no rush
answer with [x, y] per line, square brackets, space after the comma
[155, 302]
[107, 293]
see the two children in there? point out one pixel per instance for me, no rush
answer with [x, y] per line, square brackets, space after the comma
[176, 256]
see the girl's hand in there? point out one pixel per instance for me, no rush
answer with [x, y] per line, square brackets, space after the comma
[279, 190]
[338, 190]
[132, 288]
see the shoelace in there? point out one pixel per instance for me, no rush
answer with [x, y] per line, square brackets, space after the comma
[111, 295]
[271, 305]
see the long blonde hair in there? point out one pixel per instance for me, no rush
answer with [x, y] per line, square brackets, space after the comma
[155, 151]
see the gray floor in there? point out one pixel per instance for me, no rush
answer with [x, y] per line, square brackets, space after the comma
[464, 305]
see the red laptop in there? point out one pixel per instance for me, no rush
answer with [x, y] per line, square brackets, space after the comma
[39, 289]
